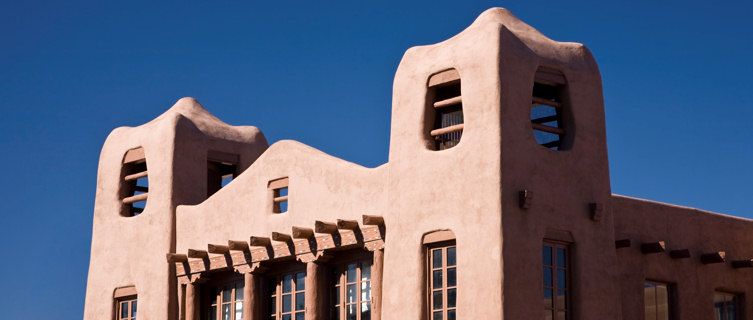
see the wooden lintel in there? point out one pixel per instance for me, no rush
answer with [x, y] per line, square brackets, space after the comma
[259, 241]
[276, 236]
[525, 198]
[622, 243]
[217, 248]
[193, 253]
[653, 247]
[302, 233]
[325, 227]
[747, 263]
[679, 254]
[347, 224]
[176, 257]
[237, 245]
[714, 257]
[370, 220]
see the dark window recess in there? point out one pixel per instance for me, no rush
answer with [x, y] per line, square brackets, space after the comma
[279, 189]
[221, 169]
[134, 188]
[547, 103]
[445, 109]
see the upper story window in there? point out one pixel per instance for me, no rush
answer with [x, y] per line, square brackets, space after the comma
[134, 186]
[556, 281]
[126, 303]
[279, 189]
[547, 103]
[444, 111]
[441, 253]
[351, 296]
[226, 300]
[725, 306]
[656, 300]
[287, 296]
[221, 169]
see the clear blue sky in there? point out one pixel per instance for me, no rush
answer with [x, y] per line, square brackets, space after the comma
[676, 74]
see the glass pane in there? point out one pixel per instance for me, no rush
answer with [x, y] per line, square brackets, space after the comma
[271, 286]
[337, 275]
[438, 315]
[366, 311]
[436, 279]
[238, 310]
[561, 258]
[451, 256]
[547, 254]
[451, 314]
[366, 270]
[561, 299]
[336, 313]
[451, 280]
[366, 291]
[225, 312]
[272, 305]
[351, 312]
[300, 281]
[213, 313]
[286, 303]
[226, 294]
[300, 301]
[133, 308]
[561, 315]
[548, 299]
[561, 278]
[436, 258]
[124, 310]
[548, 315]
[214, 298]
[287, 283]
[239, 292]
[662, 302]
[351, 293]
[437, 299]
[286, 317]
[352, 268]
[337, 295]
[548, 277]
[300, 316]
[451, 298]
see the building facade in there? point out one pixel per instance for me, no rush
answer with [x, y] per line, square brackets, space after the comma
[495, 203]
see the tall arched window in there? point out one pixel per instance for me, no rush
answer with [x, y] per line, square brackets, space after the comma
[134, 186]
[441, 267]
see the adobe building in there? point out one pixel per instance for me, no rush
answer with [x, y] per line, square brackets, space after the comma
[495, 204]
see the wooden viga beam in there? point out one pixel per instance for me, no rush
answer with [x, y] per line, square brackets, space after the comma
[347, 224]
[714, 257]
[302, 233]
[653, 247]
[201, 254]
[325, 227]
[747, 263]
[237, 245]
[371, 220]
[176, 257]
[217, 248]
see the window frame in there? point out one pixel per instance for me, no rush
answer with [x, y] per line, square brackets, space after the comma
[736, 302]
[339, 266]
[215, 289]
[670, 291]
[278, 277]
[133, 191]
[551, 308]
[279, 192]
[444, 97]
[440, 240]
[550, 79]
[125, 295]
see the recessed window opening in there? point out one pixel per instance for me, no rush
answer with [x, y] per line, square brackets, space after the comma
[286, 296]
[725, 306]
[134, 188]
[547, 103]
[556, 280]
[441, 268]
[445, 110]
[279, 189]
[126, 303]
[656, 300]
[223, 298]
[351, 291]
[221, 169]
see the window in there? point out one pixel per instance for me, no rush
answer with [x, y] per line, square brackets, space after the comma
[126, 304]
[442, 280]
[221, 169]
[556, 281]
[287, 296]
[134, 188]
[547, 103]
[279, 189]
[352, 291]
[656, 300]
[725, 306]
[226, 301]
[444, 110]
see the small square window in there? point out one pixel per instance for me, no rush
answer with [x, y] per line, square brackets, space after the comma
[280, 195]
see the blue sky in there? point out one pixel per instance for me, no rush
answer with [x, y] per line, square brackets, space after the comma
[676, 80]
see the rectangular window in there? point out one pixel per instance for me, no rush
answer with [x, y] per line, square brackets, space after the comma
[546, 107]
[287, 297]
[446, 106]
[226, 302]
[279, 189]
[221, 169]
[442, 281]
[556, 281]
[656, 300]
[725, 306]
[127, 307]
[134, 188]
[352, 291]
